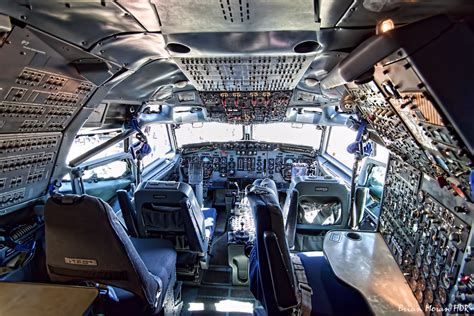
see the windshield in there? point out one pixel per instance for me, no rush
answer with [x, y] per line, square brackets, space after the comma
[208, 132]
[305, 134]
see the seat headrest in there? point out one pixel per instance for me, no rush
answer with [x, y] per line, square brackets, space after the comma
[85, 241]
[268, 184]
[67, 199]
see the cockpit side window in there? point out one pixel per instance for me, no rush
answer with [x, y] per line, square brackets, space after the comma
[86, 142]
[159, 141]
[102, 174]
[339, 138]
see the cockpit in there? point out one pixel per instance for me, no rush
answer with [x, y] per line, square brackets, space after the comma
[236, 157]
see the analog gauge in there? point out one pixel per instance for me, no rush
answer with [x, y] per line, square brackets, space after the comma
[450, 219]
[432, 282]
[434, 233]
[419, 296]
[445, 280]
[428, 259]
[426, 270]
[413, 284]
[407, 259]
[399, 259]
[442, 295]
[418, 260]
[421, 250]
[451, 255]
[428, 295]
[421, 284]
[436, 268]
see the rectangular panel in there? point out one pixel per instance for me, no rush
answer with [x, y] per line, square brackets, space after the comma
[239, 73]
[26, 164]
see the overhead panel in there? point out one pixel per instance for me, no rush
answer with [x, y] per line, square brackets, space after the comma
[245, 73]
[41, 91]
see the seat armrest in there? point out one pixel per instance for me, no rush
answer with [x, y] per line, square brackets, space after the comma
[283, 288]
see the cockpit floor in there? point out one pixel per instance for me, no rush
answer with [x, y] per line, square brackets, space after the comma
[219, 300]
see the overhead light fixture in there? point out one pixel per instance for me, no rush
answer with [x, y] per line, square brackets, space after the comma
[181, 84]
[384, 26]
[311, 82]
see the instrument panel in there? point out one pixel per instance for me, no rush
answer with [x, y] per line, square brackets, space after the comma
[248, 160]
[247, 107]
[426, 209]
[428, 238]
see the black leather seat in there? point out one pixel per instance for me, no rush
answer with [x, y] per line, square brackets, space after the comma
[86, 242]
[169, 210]
[314, 205]
[272, 281]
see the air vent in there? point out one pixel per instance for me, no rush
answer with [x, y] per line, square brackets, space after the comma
[256, 73]
[178, 48]
[235, 11]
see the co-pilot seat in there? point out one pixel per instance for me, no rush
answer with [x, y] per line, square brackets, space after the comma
[314, 205]
[272, 276]
[170, 210]
[86, 242]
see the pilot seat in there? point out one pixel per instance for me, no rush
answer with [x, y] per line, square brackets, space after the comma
[274, 279]
[170, 210]
[314, 205]
[85, 242]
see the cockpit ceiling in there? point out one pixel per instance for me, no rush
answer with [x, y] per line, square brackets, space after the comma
[206, 48]
[236, 16]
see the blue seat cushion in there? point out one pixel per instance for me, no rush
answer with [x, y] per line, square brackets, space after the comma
[159, 256]
[331, 296]
[210, 215]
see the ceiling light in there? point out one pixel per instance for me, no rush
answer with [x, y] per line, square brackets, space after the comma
[385, 26]
[181, 84]
[311, 82]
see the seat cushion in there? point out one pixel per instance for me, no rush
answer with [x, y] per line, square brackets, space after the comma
[159, 257]
[210, 215]
[331, 296]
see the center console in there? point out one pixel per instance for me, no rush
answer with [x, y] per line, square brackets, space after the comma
[241, 236]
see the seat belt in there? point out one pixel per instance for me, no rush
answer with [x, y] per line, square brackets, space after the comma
[304, 290]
